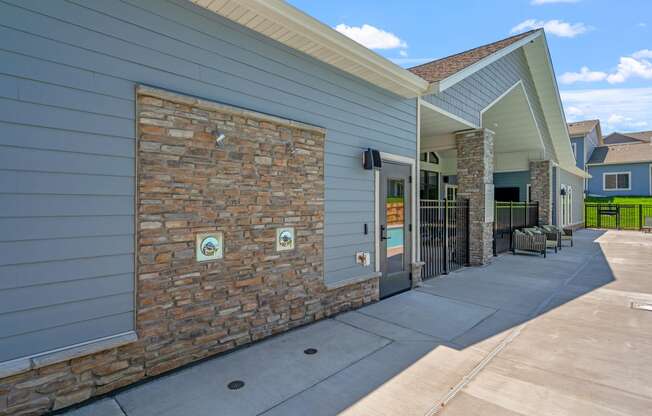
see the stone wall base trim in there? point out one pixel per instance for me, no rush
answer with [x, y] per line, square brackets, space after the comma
[21, 365]
[351, 281]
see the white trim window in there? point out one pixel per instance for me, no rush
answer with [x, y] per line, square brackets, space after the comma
[617, 181]
[574, 146]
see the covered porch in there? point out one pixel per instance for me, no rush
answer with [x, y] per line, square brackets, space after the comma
[464, 164]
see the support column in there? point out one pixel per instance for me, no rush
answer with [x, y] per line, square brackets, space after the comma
[541, 188]
[475, 178]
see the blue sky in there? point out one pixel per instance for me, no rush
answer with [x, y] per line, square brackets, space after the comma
[601, 49]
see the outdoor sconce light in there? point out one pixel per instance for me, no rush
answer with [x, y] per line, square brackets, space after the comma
[371, 159]
[219, 138]
[563, 192]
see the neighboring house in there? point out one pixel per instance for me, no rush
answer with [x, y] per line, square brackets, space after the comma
[636, 137]
[621, 169]
[619, 164]
[182, 178]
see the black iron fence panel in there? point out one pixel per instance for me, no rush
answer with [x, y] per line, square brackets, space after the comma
[616, 216]
[444, 228]
[510, 216]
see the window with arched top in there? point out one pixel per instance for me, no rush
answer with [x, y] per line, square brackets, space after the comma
[430, 157]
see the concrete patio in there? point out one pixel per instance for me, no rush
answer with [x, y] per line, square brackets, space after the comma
[522, 336]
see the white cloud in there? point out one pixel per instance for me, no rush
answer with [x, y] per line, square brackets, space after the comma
[643, 53]
[540, 2]
[629, 67]
[616, 119]
[637, 65]
[573, 111]
[617, 108]
[553, 27]
[585, 75]
[403, 53]
[371, 36]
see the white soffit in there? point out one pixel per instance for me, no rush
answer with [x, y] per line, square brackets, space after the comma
[436, 121]
[284, 23]
[512, 120]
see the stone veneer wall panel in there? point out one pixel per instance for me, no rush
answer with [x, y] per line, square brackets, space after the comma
[269, 173]
[541, 188]
[475, 170]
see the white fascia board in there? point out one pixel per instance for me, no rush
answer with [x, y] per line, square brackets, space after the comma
[574, 170]
[398, 79]
[560, 138]
[471, 69]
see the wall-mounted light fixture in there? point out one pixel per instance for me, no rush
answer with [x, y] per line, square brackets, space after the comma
[219, 138]
[563, 191]
[371, 159]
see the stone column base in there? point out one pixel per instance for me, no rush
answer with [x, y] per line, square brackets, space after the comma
[417, 273]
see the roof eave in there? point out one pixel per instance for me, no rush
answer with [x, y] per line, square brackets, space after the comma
[619, 163]
[355, 59]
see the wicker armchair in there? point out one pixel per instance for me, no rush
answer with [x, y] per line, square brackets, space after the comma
[531, 243]
[567, 235]
[553, 235]
[564, 234]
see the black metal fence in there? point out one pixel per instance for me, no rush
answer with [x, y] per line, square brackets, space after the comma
[510, 216]
[621, 217]
[444, 236]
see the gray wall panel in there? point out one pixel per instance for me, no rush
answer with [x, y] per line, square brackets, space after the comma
[67, 75]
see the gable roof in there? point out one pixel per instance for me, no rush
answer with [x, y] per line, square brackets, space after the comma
[619, 138]
[637, 137]
[582, 128]
[442, 68]
[446, 72]
[621, 153]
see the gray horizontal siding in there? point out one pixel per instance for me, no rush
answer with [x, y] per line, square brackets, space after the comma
[67, 75]
[470, 96]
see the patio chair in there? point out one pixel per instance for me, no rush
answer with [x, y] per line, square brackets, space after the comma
[553, 235]
[565, 234]
[531, 242]
[647, 225]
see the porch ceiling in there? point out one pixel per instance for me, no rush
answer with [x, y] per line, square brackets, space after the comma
[437, 122]
[512, 120]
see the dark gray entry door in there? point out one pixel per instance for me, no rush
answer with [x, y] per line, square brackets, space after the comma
[395, 228]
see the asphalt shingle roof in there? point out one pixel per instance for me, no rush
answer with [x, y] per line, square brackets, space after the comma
[622, 153]
[440, 69]
[580, 128]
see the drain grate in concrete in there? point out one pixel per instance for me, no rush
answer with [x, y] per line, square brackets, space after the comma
[641, 306]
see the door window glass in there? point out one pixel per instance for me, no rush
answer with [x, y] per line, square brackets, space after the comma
[395, 206]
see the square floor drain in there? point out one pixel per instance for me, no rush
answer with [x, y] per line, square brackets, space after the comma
[641, 306]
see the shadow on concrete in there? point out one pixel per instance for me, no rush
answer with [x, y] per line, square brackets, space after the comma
[402, 355]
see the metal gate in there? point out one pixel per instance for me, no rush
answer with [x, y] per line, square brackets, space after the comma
[510, 216]
[618, 216]
[444, 228]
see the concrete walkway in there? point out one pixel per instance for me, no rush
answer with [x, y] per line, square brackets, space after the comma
[522, 336]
